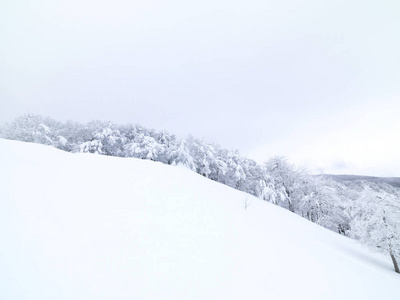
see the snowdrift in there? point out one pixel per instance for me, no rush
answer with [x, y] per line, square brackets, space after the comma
[84, 226]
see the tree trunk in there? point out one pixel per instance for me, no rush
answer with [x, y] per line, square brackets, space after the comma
[396, 266]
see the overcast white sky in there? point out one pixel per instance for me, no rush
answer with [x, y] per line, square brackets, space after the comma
[316, 81]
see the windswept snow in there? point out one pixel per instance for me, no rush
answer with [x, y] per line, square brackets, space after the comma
[85, 226]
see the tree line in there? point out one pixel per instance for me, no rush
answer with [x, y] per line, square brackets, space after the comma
[366, 211]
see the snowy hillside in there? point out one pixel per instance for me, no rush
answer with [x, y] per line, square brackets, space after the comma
[84, 226]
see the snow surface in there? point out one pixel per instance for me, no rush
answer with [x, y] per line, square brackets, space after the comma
[85, 226]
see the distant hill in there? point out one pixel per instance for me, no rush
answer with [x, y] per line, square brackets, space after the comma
[394, 181]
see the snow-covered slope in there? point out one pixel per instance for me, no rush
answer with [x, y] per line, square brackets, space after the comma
[83, 226]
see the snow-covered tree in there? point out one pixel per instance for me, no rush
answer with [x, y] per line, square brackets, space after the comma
[235, 175]
[145, 147]
[287, 179]
[94, 146]
[265, 190]
[30, 128]
[376, 221]
[323, 204]
[169, 142]
[181, 157]
[204, 156]
[111, 140]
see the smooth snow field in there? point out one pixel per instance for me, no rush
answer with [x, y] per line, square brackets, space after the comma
[85, 226]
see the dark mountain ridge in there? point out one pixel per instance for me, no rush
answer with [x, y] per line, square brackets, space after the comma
[393, 181]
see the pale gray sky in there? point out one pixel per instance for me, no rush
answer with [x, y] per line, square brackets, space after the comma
[316, 81]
